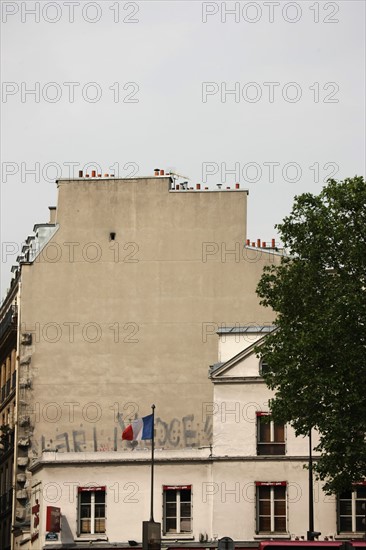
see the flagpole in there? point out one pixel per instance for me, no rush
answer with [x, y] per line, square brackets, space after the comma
[152, 466]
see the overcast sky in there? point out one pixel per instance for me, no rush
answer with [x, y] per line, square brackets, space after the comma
[136, 85]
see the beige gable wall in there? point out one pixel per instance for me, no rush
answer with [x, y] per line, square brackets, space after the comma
[165, 306]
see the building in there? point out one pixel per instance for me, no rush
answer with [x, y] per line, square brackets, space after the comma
[8, 365]
[249, 484]
[261, 466]
[116, 304]
[119, 298]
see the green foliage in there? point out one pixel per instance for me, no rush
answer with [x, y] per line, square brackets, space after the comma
[317, 356]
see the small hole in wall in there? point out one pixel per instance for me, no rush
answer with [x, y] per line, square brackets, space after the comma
[112, 236]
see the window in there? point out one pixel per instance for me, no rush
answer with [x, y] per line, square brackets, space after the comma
[270, 436]
[91, 510]
[271, 506]
[352, 510]
[177, 512]
[263, 367]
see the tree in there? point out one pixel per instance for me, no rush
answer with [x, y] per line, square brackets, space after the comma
[317, 355]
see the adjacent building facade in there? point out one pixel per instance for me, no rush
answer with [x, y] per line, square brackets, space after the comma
[8, 366]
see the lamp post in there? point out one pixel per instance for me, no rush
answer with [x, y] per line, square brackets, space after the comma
[311, 534]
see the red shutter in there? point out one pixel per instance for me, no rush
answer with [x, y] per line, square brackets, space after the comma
[53, 519]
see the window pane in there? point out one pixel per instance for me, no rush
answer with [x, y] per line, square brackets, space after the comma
[279, 432]
[280, 508]
[185, 509]
[280, 449]
[360, 523]
[170, 525]
[99, 525]
[264, 367]
[262, 449]
[271, 449]
[264, 429]
[85, 497]
[264, 493]
[170, 496]
[99, 510]
[264, 508]
[85, 526]
[100, 496]
[280, 493]
[345, 508]
[280, 524]
[359, 510]
[171, 509]
[185, 495]
[345, 524]
[361, 492]
[85, 511]
[185, 525]
[264, 523]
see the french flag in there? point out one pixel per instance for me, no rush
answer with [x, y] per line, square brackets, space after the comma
[141, 428]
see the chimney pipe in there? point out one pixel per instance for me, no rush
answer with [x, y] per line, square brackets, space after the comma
[198, 186]
[99, 175]
[106, 175]
[237, 186]
[264, 245]
[248, 242]
[94, 173]
[156, 171]
[177, 186]
[86, 175]
[162, 172]
[253, 244]
[52, 210]
[80, 173]
[273, 243]
[258, 243]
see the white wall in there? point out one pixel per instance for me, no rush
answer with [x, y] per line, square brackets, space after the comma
[127, 493]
